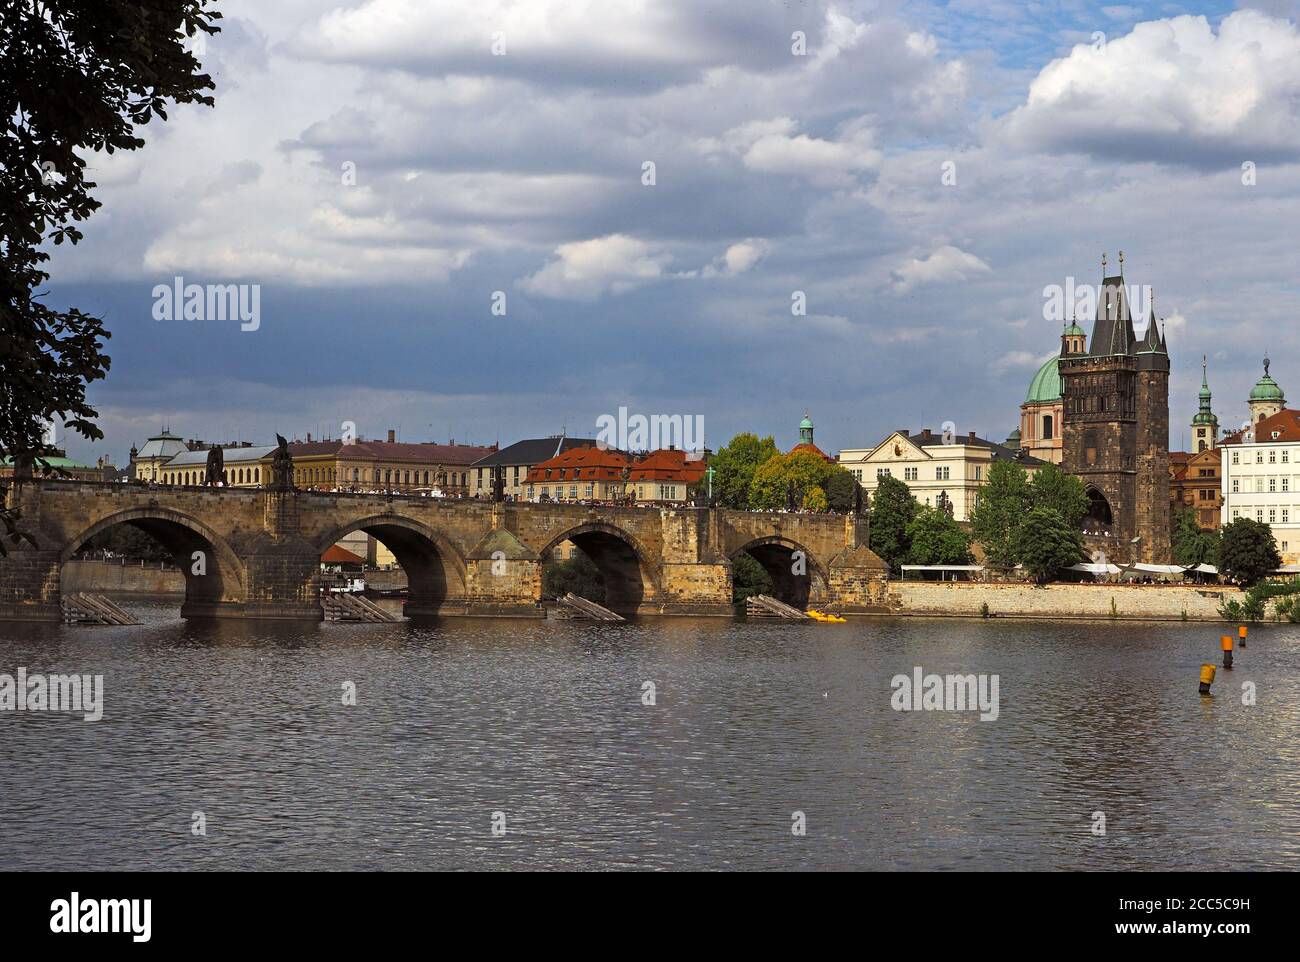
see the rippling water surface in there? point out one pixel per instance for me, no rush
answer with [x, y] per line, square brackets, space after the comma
[544, 722]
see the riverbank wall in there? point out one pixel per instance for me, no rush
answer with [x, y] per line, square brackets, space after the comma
[961, 599]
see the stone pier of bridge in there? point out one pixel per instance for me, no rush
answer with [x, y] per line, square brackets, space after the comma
[255, 553]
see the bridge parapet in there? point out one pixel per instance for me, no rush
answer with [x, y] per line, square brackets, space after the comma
[260, 549]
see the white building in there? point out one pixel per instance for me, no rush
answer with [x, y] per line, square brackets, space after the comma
[935, 471]
[1260, 470]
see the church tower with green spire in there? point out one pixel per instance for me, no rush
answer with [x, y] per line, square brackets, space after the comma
[1205, 426]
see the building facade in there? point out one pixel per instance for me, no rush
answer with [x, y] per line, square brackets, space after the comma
[593, 474]
[939, 471]
[1115, 430]
[1261, 478]
[518, 459]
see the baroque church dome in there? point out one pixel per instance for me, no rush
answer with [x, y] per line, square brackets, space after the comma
[1046, 385]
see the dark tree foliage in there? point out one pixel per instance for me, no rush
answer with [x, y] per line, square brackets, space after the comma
[936, 539]
[748, 578]
[892, 510]
[1191, 543]
[841, 490]
[1247, 551]
[1046, 542]
[76, 76]
[579, 574]
[126, 541]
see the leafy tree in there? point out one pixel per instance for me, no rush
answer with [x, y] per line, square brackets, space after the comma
[773, 477]
[1192, 544]
[1247, 551]
[734, 467]
[937, 539]
[1063, 493]
[1003, 503]
[75, 76]
[1045, 542]
[127, 541]
[841, 490]
[579, 574]
[892, 510]
[748, 578]
[815, 500]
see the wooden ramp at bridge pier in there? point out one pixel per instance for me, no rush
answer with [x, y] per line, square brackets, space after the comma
[340, 606]
[83, 609]
[572, 607]
[765, 606]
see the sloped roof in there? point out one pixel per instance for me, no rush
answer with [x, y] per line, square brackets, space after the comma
[334, 555]
[228, 456]
[163, 445]
[668, 465]
[533, 450]
[1112, 333]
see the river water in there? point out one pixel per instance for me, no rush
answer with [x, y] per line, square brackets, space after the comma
[545, 724]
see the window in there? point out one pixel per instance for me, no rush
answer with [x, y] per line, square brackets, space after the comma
[1272, 485]
[573, 492]
[1286, 484]
[910, 474]
[1286, 456]
[1235, 515]
[1259, 515]
[588, 491]
[1272, 516]
[882, 473]
[941, 473]
[979, 472]
[1047, 427]
[1236, 457]
[546, 492]
[1259, 457]
[1286, 512]
[1272, 457]
[1235, 485]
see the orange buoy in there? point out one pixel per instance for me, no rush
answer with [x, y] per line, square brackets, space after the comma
[1207, 678]
[1241, 633]
[1227, 651]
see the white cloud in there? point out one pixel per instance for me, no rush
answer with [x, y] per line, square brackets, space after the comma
[1172, 90]
[585, 270]
[946, 264]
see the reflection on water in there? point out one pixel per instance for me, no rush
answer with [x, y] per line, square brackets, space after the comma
[544, 721]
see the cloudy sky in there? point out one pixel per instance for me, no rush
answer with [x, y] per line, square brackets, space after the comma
[383, 168]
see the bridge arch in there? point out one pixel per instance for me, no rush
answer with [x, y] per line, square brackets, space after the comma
[216, 577]
[631, 579]
[435, 568]
[797, 579]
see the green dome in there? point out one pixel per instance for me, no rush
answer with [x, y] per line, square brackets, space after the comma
[1204, 417]
[1073, 329]
[806, 422]
[1046, 385]
[1266, 389]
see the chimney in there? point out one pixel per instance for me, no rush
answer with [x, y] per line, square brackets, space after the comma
[309, 437]
[392, 435]
[971, 435]
[904, 432]
[925, 433]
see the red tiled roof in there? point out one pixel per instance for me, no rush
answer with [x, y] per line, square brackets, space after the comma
[580, 464]
[668, 465]
[1283, 426]
[334, 555]
[812, 448]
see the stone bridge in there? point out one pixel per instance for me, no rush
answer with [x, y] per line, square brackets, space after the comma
[255, 553]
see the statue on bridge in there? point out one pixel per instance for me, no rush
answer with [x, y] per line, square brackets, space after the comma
[498, 482]
[281, 466]
[214, 475]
